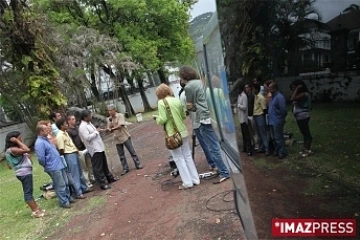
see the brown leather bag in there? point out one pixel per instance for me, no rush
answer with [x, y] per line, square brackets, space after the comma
[175, 141]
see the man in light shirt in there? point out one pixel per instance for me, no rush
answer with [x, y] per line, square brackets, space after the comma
[196, 127]
[116, 125]
[242, 104]
[71, 154]
[96, 148]
[84, 156]
[260, 111]
[196, 102]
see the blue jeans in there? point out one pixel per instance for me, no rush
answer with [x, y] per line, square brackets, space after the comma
[79, 181]
[260, 122]
[207, 153]
[277, 134]
[213, 146]
[60, 182]
[27, 185]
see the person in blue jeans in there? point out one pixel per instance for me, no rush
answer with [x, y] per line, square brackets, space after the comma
[196, 102]
[260, 111]
[18, 159]
[277, 115]
[50, 159]
[196, 127]
[70, 153]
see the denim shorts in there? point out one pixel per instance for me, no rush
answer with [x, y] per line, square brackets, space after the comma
[27, 184]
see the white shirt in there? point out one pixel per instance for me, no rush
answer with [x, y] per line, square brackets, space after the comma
[91, 138]
[242, 104]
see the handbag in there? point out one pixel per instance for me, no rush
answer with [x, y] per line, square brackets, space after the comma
[174, 141]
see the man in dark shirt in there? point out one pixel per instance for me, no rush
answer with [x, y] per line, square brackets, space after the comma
[85, 159]
[251, 123]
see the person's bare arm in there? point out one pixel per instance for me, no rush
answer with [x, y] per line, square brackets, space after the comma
[297, 96]
[22, 149]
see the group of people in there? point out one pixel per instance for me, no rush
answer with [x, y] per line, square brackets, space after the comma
[73, 156]
[173, 111]
[262, 112]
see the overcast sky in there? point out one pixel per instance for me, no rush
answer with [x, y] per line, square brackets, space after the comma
[327, 8]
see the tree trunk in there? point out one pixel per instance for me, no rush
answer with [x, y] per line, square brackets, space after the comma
[80, 96]
[151, 78]
[129, 108]
[119, 79]
[93, 82]
[162, 76]
[144, 98]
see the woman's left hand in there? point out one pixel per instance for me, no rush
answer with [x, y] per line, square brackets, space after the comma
[13, 140]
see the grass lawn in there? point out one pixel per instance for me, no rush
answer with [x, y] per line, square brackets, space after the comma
[336, 143]
[335, 129]
[15, 219]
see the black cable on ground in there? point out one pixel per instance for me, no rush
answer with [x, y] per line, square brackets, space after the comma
[225, 193]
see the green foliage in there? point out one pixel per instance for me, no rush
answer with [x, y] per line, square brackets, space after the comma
[30, 84]
[152, 32]
[259, 34]
[9, 110]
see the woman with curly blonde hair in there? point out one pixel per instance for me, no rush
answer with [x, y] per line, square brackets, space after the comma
[182, 155]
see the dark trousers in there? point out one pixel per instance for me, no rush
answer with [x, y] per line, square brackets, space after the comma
[246, 137]
[303, 125]
[130, 148]
[100, 168]
[27, 184]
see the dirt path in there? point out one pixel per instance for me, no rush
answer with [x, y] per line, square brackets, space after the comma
[146, 204]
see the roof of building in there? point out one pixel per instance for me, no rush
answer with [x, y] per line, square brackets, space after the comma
[350, 20]
[310, 23]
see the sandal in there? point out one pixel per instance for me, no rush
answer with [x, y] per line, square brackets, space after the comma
[38, 213]
[306, 153]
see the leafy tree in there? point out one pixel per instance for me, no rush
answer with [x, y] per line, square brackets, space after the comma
[30, 83]
[152, 32]
[258, 34]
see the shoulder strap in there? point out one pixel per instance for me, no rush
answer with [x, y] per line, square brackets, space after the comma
[170, 114]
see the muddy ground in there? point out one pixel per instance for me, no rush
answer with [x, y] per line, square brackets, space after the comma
[146, 204]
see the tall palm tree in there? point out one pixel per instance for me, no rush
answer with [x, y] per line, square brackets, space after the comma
[352, 8]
